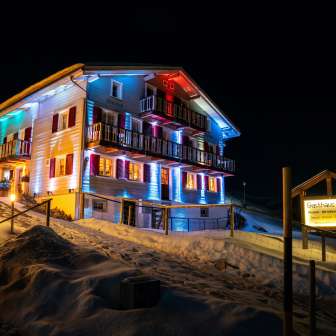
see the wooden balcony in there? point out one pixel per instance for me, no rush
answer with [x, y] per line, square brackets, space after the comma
[179, 116]
[15, 150]
[110, 136]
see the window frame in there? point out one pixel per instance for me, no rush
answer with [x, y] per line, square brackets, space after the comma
[120, 89]
[57, 165]
[60, 119]
[132, 164]
[104, 167]
[194, 187]
[214, 179]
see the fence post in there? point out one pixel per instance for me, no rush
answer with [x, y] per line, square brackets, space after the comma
[48, 213]
[312, 302]
[129, 215]
[324, 254]
[287, 234]
[165, 217]
[12, 219]
[121, 211]
[231, 220]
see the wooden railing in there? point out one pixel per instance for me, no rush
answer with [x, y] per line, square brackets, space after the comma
[15, 149]
[173, 111]
[105, 134]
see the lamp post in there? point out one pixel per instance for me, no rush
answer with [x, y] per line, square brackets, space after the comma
[244, 198]
[12, 199]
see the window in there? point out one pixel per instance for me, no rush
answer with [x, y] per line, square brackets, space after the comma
[109, 117]
[204, 212]
[134, 171]
[105, 167]
[60, 166]
[212, 184]
[99, 205]
[63, 120]
[191, 183]
[116, 89]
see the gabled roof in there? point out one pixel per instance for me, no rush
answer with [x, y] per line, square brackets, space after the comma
[87, 69]
[321, 176]
[39, 85]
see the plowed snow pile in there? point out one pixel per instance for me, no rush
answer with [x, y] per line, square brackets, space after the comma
[49, 286]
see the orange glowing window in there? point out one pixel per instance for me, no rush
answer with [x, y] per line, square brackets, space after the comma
[191, 181]
[134, 171]
[212, 184]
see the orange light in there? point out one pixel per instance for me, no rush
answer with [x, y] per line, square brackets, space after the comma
[12, 197]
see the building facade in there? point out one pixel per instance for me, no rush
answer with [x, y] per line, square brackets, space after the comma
[147, 134]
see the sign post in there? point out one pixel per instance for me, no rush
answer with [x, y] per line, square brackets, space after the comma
[287, 235]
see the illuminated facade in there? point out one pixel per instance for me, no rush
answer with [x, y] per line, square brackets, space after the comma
[145, 133]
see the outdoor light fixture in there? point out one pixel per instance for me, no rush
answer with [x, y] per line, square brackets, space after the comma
[71, 190]
[49, 193]
[12, 198]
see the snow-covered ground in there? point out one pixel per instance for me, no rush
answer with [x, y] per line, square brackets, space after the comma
[212, 284]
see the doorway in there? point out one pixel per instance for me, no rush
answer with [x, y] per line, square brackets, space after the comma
[128, 215]
[165, 184]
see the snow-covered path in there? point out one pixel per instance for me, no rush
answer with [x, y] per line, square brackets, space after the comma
[212, 282]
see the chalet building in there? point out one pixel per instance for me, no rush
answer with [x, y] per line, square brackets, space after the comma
[143, 133]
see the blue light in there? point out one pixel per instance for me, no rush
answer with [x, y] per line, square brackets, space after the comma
[154, 185]
[89, 111]
[222, 192]
[202, 198]
[128, 121]
[176, 184]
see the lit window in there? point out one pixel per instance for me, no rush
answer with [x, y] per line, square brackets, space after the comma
[212, 184]
[191, 183]
[105, 167]
[60, 166]
[116, 89]
[134, 171]
[63, 120]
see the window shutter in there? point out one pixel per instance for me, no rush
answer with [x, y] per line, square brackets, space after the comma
[199, 182]
[146, 172]
[97, 114]
[69, 164]
[184, 179]
[120, 166]
[27, 133]
[206, 182]
[219, 185]
[72, 116]
[159, 132]
[5, 140]
[121, 120]
[52, 167]
[94, 164]
[55, 123]
[126, 171]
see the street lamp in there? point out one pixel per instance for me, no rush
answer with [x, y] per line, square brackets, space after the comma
[12, 199]
[244, 194]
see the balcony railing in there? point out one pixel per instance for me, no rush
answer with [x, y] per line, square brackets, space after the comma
[175, 112]
[15, 149]
[109, 135]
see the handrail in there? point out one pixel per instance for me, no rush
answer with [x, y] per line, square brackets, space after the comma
[24, 211]
[15, 147]
[178, 112]
[157, 146]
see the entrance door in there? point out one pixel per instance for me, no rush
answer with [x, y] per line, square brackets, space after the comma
[128, 213]
[165, 184]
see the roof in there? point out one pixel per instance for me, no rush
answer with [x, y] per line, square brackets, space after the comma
[40, 85]
[312, 181]
[92, 68]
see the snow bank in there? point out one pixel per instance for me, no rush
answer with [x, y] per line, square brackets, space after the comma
[253, 254]
[49, 286]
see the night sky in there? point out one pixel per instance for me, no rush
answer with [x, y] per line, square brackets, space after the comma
[270, 69]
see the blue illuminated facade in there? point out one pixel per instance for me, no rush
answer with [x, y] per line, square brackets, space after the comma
[133, 128]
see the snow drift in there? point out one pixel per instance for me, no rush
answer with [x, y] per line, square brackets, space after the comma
[49, 286]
